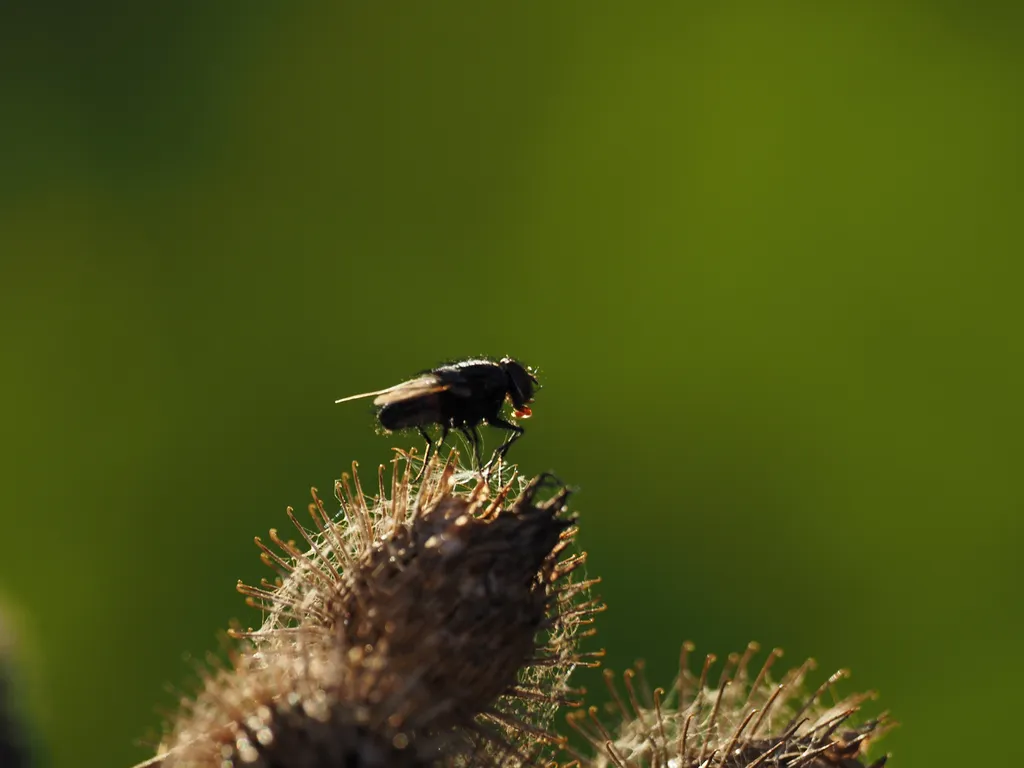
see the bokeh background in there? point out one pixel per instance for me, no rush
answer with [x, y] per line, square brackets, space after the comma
[766, 256]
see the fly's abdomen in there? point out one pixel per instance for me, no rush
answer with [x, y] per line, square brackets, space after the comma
[415, 412]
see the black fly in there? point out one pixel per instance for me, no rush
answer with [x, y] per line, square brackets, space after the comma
[458, 396]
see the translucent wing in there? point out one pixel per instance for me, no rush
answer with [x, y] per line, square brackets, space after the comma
[427, 384]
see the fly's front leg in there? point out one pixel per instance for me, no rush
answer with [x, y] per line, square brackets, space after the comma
[515, 432]
[473, 438]
[426, 454]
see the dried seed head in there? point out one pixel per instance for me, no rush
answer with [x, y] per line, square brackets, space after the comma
[15, 749]
[439, 618]
[297, 707]
[737, 722]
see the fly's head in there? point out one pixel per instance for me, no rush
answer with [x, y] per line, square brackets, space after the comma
[521, 384]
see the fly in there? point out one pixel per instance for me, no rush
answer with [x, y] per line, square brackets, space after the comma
[459, 396]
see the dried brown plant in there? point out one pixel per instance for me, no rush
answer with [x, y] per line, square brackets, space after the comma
[437, 624]
[16, 742]
[439, 621]
[737, 722]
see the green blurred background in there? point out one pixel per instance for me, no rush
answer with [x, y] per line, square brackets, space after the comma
[767, 258]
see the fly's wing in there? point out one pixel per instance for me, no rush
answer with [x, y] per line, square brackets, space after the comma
[427, 384]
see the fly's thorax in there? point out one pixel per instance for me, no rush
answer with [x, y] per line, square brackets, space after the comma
[472, 411]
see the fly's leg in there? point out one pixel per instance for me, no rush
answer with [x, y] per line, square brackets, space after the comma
[473, 438]
[431, 446]
[426, 454]
[515, 432]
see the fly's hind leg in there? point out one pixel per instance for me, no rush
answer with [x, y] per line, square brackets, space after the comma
[431, 447]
